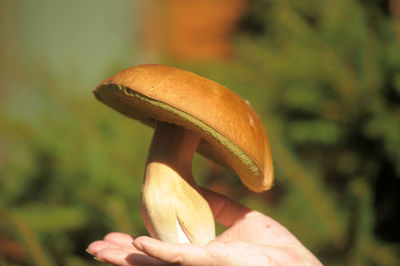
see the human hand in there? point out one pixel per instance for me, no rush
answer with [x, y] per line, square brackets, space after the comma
[251, 238]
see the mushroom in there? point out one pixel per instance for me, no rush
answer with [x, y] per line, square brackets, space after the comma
[189, 113]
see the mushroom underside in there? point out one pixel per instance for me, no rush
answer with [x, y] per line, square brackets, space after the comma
[213, 144]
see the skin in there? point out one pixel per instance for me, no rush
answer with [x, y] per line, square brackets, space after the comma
[251, 238]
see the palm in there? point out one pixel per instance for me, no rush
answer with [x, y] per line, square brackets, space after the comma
[251, 238]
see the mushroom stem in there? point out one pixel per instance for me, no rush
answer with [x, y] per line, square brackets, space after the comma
[172, 206]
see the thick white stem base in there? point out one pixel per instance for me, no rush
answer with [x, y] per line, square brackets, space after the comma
[172, 207]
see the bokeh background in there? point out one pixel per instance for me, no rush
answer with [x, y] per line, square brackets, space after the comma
[324, 75]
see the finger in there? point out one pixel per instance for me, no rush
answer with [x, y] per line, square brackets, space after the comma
[182, 254]
[111, 240]
[225, 210]
[99, 245]
[119, 239]
[122, 257]
[114, 256]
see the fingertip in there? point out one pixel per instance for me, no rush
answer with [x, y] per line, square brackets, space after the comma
[110, 235]
[90, 252]
[112, 255]
[137, 245]
[117, 235]
[101, 255]
[95, 247]
[144, 241]
[151, 246]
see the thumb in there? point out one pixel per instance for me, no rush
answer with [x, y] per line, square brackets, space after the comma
[225, 210]
[182, 254]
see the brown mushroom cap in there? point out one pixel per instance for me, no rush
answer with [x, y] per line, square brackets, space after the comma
[232, 133]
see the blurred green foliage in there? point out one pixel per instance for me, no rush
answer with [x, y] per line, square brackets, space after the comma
[324, 77]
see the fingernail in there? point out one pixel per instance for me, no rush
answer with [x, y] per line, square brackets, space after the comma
[137, 245]
[87, 250]
[97, 259]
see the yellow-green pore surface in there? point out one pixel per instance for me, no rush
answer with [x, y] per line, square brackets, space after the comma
[214, 145]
